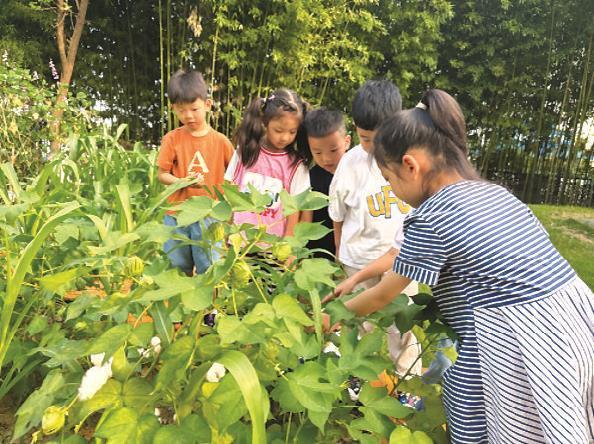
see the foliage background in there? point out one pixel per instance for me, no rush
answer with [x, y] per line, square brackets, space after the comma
[523, 71]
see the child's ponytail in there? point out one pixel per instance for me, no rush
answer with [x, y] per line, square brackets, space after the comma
[436, 124]
[250, 132]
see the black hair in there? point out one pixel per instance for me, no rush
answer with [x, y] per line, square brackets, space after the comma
[186, 87]
[322, 122]
[252, 129]
[437, 125]
[374, 102]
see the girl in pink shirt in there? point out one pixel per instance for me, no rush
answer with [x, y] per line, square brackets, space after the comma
[269, 157]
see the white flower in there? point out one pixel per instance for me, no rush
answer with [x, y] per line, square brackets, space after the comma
[93, 380]
[329, 347]
[353, 394]
[157, 412]
[97, 360]
[215, 372]
[156, 344]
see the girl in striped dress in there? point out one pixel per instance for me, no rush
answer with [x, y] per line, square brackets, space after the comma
[525, 367]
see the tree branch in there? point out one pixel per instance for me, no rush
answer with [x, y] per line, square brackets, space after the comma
[60, 38]
[78, 29]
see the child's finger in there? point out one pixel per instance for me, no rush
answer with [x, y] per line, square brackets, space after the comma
[328, 298]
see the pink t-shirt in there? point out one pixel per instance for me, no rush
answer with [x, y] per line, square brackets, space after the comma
[272, 173]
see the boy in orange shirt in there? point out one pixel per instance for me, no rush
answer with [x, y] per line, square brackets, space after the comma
[192, 151]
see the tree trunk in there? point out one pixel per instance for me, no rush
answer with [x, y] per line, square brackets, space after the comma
[67, 52]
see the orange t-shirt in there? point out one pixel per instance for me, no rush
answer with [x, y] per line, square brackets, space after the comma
[205, 158]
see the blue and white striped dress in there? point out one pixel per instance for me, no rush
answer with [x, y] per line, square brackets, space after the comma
[525, 367]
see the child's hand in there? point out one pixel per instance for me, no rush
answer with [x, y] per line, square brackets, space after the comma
[345, 287]
[191, 181]
[326, 324]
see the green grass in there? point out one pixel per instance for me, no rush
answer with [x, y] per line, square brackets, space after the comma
[572, 231]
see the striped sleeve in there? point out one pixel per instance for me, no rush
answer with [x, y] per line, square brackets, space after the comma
[423, 253]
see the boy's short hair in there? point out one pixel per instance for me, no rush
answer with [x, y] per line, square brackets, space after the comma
[186, 87]
[375, 101]
[322, 122]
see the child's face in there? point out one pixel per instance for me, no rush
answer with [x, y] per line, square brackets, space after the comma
[366, 139]
[192, 115]
[406, 182]
[328, 150]
[281, 131]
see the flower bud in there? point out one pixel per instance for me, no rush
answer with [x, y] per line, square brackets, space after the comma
[53, 419]
[216, 232]
[134, 266]
[281, 251]
[240, 274]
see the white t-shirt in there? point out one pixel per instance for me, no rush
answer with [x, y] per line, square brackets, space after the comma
[363, 200]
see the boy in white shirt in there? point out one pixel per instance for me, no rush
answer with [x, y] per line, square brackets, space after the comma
[366, 214]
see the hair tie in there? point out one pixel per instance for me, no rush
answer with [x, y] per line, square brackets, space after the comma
[421, 105]
[266, 101]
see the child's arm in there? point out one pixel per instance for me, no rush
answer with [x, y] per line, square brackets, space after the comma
[375, 268]
[337, 235]
[165, 177]
[306, 216]
[291, 222]
[379, 296]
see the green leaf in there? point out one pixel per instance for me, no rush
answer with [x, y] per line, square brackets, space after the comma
[154, 231]
[314, 271]
[123, 203]
[110, 341]
[170, 283]
[315, 395]
[338, 311]
[142, 334]
[192, 388]
[175, 360]
[403, 435]
[60, 282]
[198, 299]
[162, 321]
[80, 304]
[193, 210]
[137, 394]
[145, 430]
[30, 413]
[119, 426]
[108, 396]
[254, 396]
[224, 407]
[198, 427]
[253, 201]
[16, 280]
[287, 307]
[231, 329]
[305, 231]
[114, 241]
[305, 201]
[173, 434]
[377, 399]
[222, 211]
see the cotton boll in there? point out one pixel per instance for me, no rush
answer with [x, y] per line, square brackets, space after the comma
[156, 344]
[93, 380]
[97, 360]
[215, 372]
[353, 395]
[329, 347]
